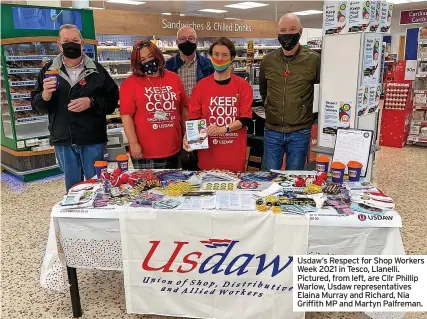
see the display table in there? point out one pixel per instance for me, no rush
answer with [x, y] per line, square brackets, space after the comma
[92, 238]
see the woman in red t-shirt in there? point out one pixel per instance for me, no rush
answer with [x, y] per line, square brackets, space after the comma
[153, 103]
[224, 100]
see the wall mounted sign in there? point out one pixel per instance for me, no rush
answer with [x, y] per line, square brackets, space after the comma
[413, 16]
[137, 23]
[208, 26]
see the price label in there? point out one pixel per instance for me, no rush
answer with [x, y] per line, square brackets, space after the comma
[29, 57]
[29, 70]
[20, 96]
[31, 119]
[23, 108]
[22, 83]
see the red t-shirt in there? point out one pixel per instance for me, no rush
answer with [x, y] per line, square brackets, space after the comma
[155, 103]
[221, 105]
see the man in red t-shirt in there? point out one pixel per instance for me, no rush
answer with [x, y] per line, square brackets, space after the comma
[224, 100]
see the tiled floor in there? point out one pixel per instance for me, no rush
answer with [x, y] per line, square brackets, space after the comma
[400, 173]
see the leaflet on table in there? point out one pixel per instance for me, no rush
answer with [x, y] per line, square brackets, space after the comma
[358, 15]
[235, 201]
[197, 136]
[330, 218]
[375, 16]
[385, 17]
[198, 202]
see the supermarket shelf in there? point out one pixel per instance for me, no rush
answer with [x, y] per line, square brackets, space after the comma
[120, 76]
[422, 59]
[417, 122]
[30, 120]
[22, 108]
[422, 75]
[113, 116]
[423, 41]
[239, 69]
[23, 70]
[28, 57]
[114, 62]
[116, 130]
[420, 91]
[416, 139]
[129, 48]
[22, 83]
[16, 96]
[420, 107]
[25, 136]
[113, 48]
[33, 171]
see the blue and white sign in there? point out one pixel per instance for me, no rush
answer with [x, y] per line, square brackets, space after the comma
[44, 19]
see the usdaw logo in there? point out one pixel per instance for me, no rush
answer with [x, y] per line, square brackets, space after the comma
[361, 217]
[216, 257]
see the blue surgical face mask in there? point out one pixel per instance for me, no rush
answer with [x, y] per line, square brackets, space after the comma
[149, 67]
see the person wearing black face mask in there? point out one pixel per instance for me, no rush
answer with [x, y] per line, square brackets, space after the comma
[77, 100]
[153, 105]
[288, 96]
[191, 67]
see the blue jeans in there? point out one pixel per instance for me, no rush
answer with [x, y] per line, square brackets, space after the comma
[76, 161]
[295, 145]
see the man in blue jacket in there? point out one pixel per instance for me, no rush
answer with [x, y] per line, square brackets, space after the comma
[191, 67]
[188, 63]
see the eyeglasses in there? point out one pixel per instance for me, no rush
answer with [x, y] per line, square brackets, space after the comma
[184, 39]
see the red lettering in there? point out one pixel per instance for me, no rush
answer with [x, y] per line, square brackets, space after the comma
[187, 260]
[166, 267]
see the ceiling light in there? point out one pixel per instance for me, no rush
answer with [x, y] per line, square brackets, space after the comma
[307, 12]
[89, 8]
[398, 1]
[232, 19]
[182, 14]
[126, 2]
[166, 13]
[213, 10]
[246, 5]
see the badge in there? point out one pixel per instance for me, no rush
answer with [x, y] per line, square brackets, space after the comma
[160, 115]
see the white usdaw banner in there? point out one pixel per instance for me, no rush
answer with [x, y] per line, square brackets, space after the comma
[211, 264]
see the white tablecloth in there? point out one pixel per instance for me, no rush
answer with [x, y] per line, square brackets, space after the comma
[90, 238]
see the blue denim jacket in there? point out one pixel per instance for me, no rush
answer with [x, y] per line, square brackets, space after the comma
[204, 65]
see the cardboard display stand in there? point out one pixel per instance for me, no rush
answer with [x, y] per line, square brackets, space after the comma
[350, 82]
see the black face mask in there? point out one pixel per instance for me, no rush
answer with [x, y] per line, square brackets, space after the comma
[289, 41]
[72, 50]
[149, 67]
[187, 48]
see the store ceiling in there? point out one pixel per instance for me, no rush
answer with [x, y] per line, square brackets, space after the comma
[272, 12]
